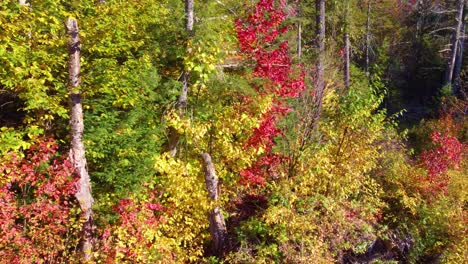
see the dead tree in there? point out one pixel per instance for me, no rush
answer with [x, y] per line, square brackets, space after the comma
[455, 43]
[368, 35]
[181, 106]
[347, 60]
[299, 30]
[77, 151]
[347, 48]
[320, 64]
[217, 224]
[459, 60]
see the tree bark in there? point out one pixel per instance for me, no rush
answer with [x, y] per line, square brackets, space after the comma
[320, 64]
[77, 151]
[368, 25]
[455, 44]
[299, 39]
[347, 74]
[461, 45]
[299, 30]
[217, 224]
[174, 136]
[347, 48]
[182, 101]
[189, 15]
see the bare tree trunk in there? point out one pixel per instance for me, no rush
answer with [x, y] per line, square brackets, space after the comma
[182, 100]
[299, 30]
[190, 16]
[419, 8]
[299, 39]
[320, 64]
[217, 224]
[77, 151]
[455, 43]
[368, 25]
[461, 45]
[347, 75]
[347, 48]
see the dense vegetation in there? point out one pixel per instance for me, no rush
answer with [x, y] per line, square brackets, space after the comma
[226, 131]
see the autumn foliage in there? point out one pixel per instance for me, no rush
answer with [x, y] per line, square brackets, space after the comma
[354, 179]
[259, 37]
[38, 206]
[446, 153]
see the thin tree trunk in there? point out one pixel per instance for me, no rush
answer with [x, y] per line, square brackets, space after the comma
[419, 8]
[190, 15]
[418, 45]
[347, 75]
[299, 39]
[368, 26]
[174, 136]
[320, 64]
[77, 151]
[347, 49]
[455, 43]
[182, 102]
[461, 45]
[299, 30]
[217, 224]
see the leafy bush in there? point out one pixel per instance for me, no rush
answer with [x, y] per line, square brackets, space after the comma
[38, 206]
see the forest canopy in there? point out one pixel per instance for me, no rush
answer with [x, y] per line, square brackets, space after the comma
[224, 131]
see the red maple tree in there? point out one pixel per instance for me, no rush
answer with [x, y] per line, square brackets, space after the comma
[259, 40]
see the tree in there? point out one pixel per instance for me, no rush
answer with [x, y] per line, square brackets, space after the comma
[455, 44]
[217, 223]
[368, 35]
[347, 48]
[77, 151]
[182, 100]
[320, 64]
[459, 61]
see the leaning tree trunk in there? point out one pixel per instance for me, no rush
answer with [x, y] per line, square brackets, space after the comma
[77, 152]
[174, 136]
[461, 45]
[455, 43]
[320, 64]
[217, 224]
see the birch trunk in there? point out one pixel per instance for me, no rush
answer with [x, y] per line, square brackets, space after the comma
[320, 45]
[77, 151]
[347, 48]
[299, 30]
[299, 39]
[217, 224]
[174, 136]
[182, 101]
[347, 74]
[455, 43]
[368, 25]
[461, 45]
